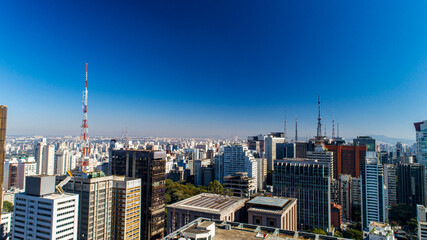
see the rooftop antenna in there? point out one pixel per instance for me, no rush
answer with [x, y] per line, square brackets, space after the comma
[333, 125]
[319, 126]
[285, 130]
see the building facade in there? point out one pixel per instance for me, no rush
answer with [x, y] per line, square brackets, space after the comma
[126, 208]
[240, 185]
[149, 166]
[309, 182]
[42, 214]
[347, 159]
[411, 184]
[373, 191]
[95, 207]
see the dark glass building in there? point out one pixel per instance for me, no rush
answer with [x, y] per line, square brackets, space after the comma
[150, 166]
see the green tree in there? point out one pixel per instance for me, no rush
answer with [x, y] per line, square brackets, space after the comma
[215, 187]
[354, 234]
[7, 206]
[412, 226]
[338, 234]
[400, 213]
[317, 231]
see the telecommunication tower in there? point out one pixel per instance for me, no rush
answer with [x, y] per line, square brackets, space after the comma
[85, 128]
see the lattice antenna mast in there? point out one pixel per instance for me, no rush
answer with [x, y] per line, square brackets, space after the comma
[319, 136]
[285, 130]
[333, 125]
[85, 127]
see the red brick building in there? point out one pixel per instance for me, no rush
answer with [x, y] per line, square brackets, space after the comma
[347, 159]
[336, 215]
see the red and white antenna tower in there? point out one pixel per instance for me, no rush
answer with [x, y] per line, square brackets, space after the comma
[85, 127]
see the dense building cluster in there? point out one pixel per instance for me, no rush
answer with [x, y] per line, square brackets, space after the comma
[270, 184]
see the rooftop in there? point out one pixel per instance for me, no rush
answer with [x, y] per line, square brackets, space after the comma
[243, 231]
[209, 203]
[269, 201]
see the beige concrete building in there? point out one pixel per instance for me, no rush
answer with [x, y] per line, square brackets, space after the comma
[208, 205]
[273, 212]
[95, 192]
[126, 208]
[240, 185]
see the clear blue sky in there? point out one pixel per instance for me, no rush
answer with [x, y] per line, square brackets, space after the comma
[220, 68]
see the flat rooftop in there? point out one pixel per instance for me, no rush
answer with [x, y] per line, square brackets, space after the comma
[269, 201]
[243, 231]
[209, 203]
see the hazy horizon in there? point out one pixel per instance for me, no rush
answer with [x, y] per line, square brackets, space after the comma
[223, 68]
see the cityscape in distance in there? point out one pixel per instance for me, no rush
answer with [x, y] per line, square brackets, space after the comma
[213, 120]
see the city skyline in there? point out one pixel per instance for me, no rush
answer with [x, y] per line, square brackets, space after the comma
[213, 69]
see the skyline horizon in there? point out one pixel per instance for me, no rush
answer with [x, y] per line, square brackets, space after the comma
[214, 69]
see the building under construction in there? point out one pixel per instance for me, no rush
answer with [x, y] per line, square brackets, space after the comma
[149, 166]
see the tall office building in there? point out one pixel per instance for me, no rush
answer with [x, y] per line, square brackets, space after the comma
[345, 197]
[235, 158]
[367, 141]
[149, 166]
[274, 149]
[322, 155]
[48, 160]
[126, 208]
[347, 159]
[390, 180]
[421, 137]
[198, 166]
[411, 184]
[95, 207]
[3, 119]
[12, 177]
[256, 143]
[309, 182]
[40, 213]
[374, 194]
[38, 154]
[62, 160]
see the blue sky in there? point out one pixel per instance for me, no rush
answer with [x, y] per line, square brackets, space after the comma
[213, 68]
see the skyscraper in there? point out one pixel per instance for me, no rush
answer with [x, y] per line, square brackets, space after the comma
[347, 159]
[126, 208]
[373, 191]
[38, 154]
[390, 180]
[274, 149]
[149, 166]
[26, 167]
[48, 160]
[40, 213]
[3, 119]
[95, 207]
[411, 184]
[235, 158]
[309, 182]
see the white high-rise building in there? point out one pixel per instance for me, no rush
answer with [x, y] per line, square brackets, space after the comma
[42, 214]
[271, 150]
[235, 158]
[48, 163]
[421, 135]
[38, 155]
[62, 160]
[26, 167]
[373, 190]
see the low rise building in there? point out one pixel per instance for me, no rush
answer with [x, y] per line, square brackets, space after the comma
[240, 185]
[6, 224]
[206, 205]
[212, 229]
[379, 231]
[273, 212]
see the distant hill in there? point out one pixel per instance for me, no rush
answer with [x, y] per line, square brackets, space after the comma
[393, 141]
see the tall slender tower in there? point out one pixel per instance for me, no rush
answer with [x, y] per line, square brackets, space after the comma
[285, 130]
[3, 118]
[333, 125]
[85, 129]
[319, 137]
[296, 129]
